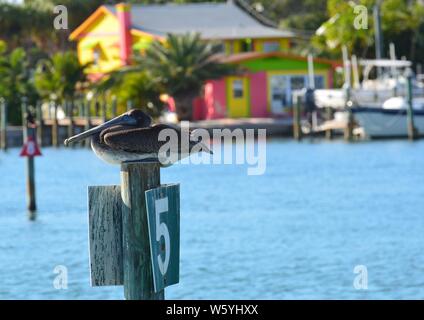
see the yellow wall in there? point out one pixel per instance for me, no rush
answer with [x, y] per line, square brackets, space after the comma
[238, 106]
[102, 35]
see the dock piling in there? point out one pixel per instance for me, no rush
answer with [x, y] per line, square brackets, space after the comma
[136, 178]
[40, 122]
[87, 121]
[297, 107]
[114, 107]
[55, 129]
[71, 118]
[348, 131]
[412, 131]
[329, 117]
[129, 105]
[3, 124]
[29, 133]
[104, 108]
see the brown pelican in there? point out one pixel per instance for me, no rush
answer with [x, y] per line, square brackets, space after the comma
[132, 137]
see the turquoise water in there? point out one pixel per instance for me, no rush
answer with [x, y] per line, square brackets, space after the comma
[296, 232]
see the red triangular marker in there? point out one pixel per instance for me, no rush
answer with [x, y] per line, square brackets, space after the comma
[30, 149]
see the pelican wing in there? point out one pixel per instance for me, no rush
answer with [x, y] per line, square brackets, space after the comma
[137, 140]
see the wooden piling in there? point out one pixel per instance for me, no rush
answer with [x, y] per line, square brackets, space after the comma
[136, 178]
[40, 122]
[24, 114]
[412, 131]
[129, 105]
[348, 131]
[87, 121]
[114, 107]
[3, 124]
[329, 117]
[297, 107]
[55, 133]
[96, 107]
[81, 108]
[71, 118]
[104, 115]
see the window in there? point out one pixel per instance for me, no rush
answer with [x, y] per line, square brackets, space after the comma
[319, 82]
[219, 47]
[238, 89]
[271, 46]
[96, 56]
[246, 45]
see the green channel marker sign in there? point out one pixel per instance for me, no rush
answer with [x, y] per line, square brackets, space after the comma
[163, 215]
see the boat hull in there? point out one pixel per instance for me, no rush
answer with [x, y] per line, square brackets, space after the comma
[387, 123]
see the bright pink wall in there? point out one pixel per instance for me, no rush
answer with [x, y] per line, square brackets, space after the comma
[330, 79]
[199, 109]
[258, 95]
[215, 99]
[125, 41]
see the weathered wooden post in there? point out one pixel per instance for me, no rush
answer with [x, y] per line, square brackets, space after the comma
[348, 131]
[329, 117]
[3, 124]
[96, 106]
[71, 118]
[297, 109]
[55, 138]
[134, 233]
[136, 178]
[24, 115]
[81, 107]
[39, 122]
[104, 108]
[114, 106]
[412, 131]
[87, 115]
[129, 105]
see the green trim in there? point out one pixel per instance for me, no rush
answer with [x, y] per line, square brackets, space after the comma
[142, 44]
[274, 63]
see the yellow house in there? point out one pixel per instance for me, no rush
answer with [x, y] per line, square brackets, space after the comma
[112, 33]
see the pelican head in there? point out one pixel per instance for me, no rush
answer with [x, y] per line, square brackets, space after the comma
[133, 118]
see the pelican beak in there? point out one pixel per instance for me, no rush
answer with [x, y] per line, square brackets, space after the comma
[123, 119]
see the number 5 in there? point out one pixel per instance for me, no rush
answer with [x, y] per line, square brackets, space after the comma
[161, 205]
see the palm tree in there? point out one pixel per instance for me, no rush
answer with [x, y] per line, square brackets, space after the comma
[136, 87]
[15, 80]
[180, 66]
[59, 76]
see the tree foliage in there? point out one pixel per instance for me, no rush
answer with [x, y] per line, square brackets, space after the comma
[15, 80]
[60, 76]
[180, 66]
[401, 22]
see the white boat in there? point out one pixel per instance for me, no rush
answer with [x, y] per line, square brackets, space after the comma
[390, 82]
[390, 120]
